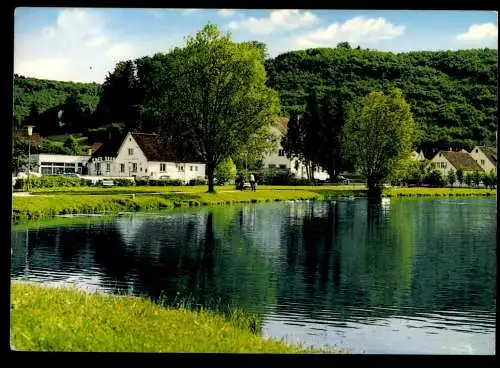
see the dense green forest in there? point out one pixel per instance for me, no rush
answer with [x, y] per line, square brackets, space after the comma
[53, 106]
[453, 94]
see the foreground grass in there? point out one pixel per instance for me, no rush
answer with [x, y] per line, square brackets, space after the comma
[438, 192]
[56, 319]
[50, 204]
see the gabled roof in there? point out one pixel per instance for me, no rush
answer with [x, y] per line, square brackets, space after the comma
[154, 147]
[108, 149]
[491, 153]
[157, 148]
[95, 146]
[461, 160]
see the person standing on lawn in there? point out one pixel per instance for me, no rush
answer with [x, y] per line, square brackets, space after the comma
[252, 182]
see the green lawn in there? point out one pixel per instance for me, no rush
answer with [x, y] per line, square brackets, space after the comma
[438, 192]
[58, 319]
[50, 202]
[85, 200]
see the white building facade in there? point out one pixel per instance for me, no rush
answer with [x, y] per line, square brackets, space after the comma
[486, 157]
[50, 164]
[278, 160]
[142, 155]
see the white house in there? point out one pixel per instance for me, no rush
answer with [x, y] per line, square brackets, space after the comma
[278, 160]
[444, 161]
[143, 155]
[418, 156]
[51, 164]
[486, 157]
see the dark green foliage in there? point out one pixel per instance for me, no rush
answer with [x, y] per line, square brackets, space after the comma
[194, 182]
[452, 93]
[476, 178]
[51, 182]
[434, 178]
[159, 182]
[38, 101]
[452, 177]
[122, 182]
[460, 175]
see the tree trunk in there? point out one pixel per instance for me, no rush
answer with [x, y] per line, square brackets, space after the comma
[374, 189]
[210, 175]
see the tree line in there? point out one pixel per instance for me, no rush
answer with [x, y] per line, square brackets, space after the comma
[217, 99]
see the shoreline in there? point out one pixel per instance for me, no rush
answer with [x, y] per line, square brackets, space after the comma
[46, 318]
[55, 203]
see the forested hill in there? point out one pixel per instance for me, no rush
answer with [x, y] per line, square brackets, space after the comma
[453, 94]
[43, 99]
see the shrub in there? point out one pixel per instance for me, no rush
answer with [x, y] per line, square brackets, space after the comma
[50, 182]
[225, 172]
[194, 182]
[434, 178]
[141, 182]
[122, 182]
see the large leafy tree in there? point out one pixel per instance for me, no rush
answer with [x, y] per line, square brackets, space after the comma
[302, 141]
[378, 136]
[260, 144]
[214, 97]
[120, 97]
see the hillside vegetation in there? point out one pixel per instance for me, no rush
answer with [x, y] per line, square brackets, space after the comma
[453, 94]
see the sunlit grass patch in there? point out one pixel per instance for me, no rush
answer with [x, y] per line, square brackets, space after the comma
[66, 319]
[437, 192]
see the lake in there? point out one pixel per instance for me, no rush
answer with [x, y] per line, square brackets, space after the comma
[400, 276]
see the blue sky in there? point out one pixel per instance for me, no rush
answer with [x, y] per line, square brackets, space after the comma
[84, 44]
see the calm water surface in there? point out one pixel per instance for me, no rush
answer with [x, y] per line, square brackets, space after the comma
[394, 277]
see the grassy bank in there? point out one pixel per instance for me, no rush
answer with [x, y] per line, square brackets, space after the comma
[49, 204]
[439, 192]
[57, 319]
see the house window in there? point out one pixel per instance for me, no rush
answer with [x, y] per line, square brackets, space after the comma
[108, 167]
[134, 167]
[98, 167]
[122, 167]
[282, 166]
[181, 168]
[477, 150]
[482, 162]
[130, 151]
[281, 152]
[196, 168]
[163, 167]
[190, 168]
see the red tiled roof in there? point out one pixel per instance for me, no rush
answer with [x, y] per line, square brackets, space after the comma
[36, 139]
[461, 160]
[157, 148]
[96, 146]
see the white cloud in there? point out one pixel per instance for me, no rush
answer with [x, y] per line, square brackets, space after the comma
[191, 11]
[78, 47]
[285, 19]
[226, 12]
[479, 32]
[353, 30]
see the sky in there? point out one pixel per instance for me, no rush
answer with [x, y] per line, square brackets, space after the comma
[84, 44]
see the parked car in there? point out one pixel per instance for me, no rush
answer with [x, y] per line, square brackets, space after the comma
[71, 175]
[164, 177]
[340, 180]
